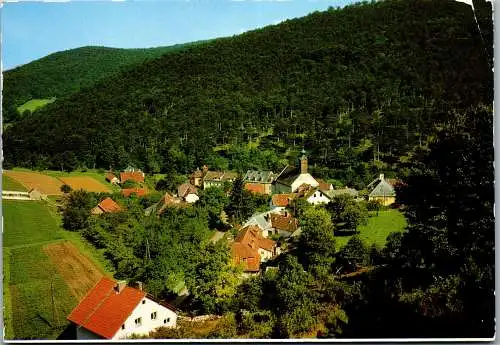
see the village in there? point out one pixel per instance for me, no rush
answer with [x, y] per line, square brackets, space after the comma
[260, 239]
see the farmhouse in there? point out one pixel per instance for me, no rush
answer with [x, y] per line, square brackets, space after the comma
[113, 310]
[106, 206]
[218, 178]
[111, 178]
[136, 176]
[259, 181]
[382, 190]
[316, 196]
[250, 249]
[290, 178]
[188, 193]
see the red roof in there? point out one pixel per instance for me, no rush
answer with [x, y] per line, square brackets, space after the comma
[257, 188]
[185, 189]
[323, 186]
[284, 222]
[108, 205]
[245, 248]
[282, 200]
[103, 311]
[137, 176]
[139, 191]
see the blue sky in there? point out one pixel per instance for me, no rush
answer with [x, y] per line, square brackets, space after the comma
[31, 30]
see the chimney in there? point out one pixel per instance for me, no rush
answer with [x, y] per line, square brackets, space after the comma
[303, 162]
[381, 177]
[120, 285]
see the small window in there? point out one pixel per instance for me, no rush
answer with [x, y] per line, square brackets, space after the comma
[168, 319]
[144, 301]
[165, 321]
[123, 326]
[153, 315]
[138, 322]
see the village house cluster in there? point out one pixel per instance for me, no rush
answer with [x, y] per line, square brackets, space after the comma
[112, 310]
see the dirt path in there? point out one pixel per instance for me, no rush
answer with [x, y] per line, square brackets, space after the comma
[77, 270]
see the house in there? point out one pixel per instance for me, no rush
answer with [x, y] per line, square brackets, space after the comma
[284, 224]
[316, 196]
[106, 206]
[135, 175]
[138, 191]
[218, 178]
[259, 181]
[282, 200]
[382, 190]
[188, 193]
[196, 178]
[290, 178]
[113, 310]
[250, 248]
[263, 221]
[111, 178]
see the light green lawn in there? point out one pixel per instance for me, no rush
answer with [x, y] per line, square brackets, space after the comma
[10, 184]
[35, 104]
[378, 228]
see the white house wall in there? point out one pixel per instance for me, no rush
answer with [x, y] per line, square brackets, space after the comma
[165, 318]
[191, 198]
[318, 198]
[304, 178]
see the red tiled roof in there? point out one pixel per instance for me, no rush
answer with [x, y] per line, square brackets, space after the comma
[282, 200]
[137, 176]
[103, 311]
[245, 248]
[284, 222]
[108, 205]
[139, 191]
[258, 188]
[323, 186]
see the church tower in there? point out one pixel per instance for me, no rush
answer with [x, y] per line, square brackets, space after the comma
[303, 162]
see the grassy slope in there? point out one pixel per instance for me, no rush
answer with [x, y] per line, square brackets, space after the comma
[34, 104]
[29, 273]
[11, 184]
[378, 228]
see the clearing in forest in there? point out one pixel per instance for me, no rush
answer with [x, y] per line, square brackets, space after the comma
[86, 183]
[46, 184]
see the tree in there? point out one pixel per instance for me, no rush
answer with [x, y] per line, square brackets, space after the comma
[77, 210]
[346, 212]
[354, 254]
[317, 242]
[66, 188]
[240, 205]
[214, 200]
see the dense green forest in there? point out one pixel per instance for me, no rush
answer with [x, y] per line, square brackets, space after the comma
[62, 73]
[359, 87]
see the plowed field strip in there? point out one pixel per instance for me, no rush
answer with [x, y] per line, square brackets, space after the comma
[77, 270]
[46, 184]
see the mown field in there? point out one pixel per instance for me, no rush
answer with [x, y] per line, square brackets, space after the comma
[46, 270]
[11, 184]
[34, 104]
[378, 228]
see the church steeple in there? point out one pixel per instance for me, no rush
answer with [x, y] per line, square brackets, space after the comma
[303, 162]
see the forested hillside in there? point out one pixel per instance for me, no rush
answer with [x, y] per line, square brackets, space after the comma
[359, 87]
[62, 73]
